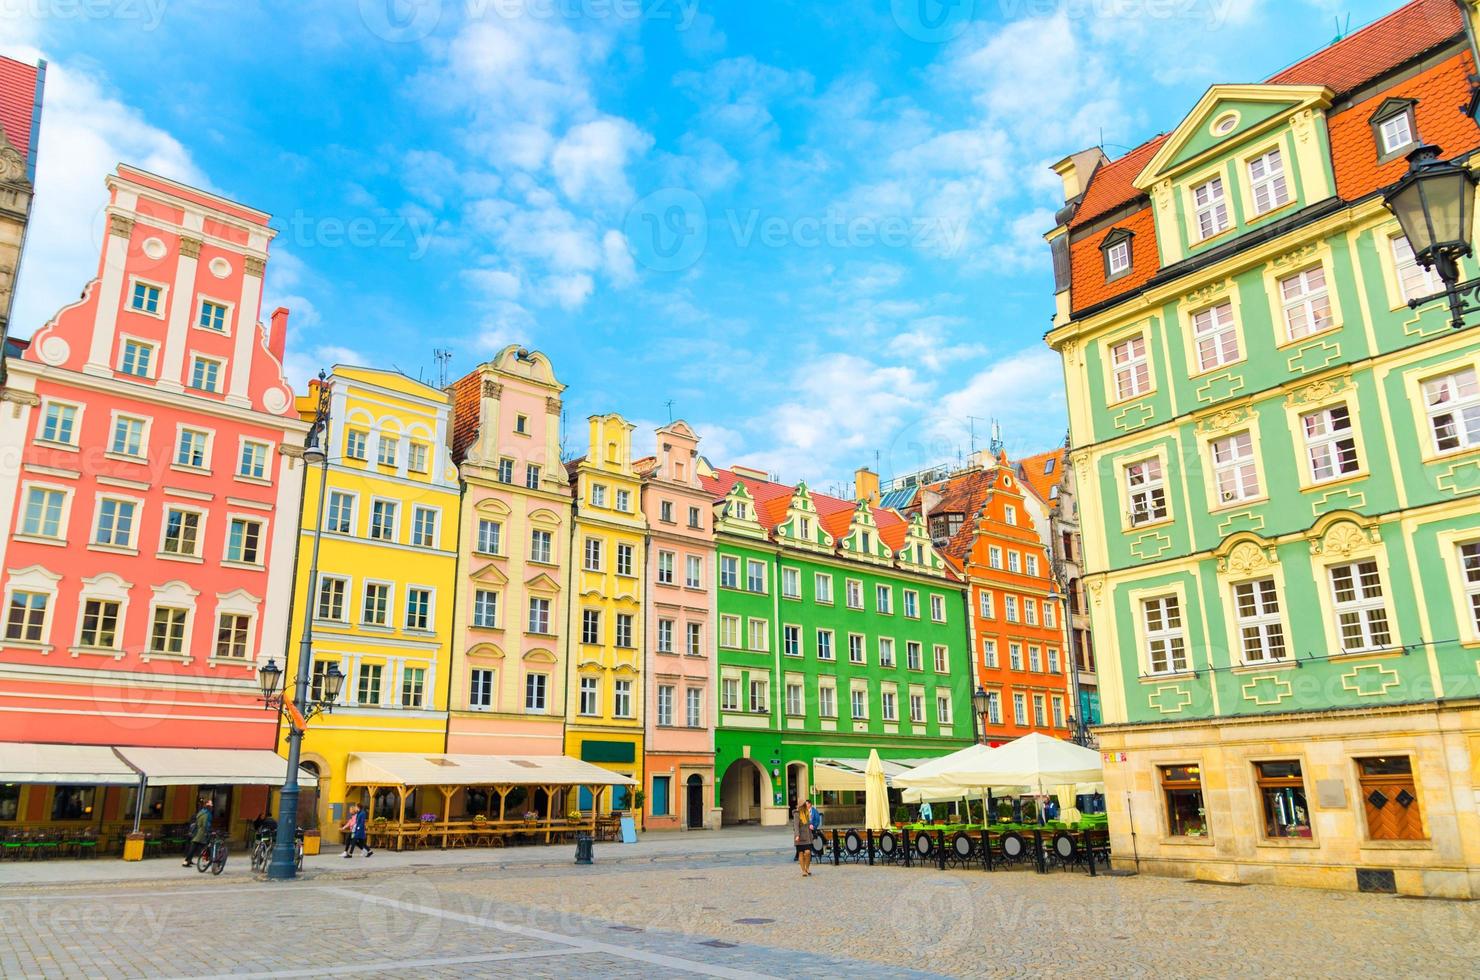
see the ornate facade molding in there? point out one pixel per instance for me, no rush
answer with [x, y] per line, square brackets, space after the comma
[190, 247]
[552, 406]
[254, 266]
[491, 388]
[120, 225]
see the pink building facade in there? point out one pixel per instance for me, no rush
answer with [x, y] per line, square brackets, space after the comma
[679, 742]
[151, 490]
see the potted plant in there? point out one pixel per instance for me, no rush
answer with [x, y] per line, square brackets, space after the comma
[638, 798]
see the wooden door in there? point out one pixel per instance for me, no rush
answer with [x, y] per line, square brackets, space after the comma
[1391, 802]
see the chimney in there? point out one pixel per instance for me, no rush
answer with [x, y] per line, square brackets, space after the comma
[866, 486]
[1076, 169]
[277, 337]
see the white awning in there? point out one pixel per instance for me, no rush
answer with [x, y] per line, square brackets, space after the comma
[847, 774]
[418, 769]
[212, 767]
[82, 765]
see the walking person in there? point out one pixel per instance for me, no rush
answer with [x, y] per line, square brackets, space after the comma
[804, 838]
[200, 830]
[354, 831]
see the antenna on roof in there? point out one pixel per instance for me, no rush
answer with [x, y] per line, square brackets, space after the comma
[443, 357]
[669, 403]
[1342, 29]
[971, 421]
[996, 438]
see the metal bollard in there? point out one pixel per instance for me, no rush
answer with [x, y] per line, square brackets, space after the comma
[940, 849]
[835, 848]
[909, 855]
[584, 848]
[869, 842]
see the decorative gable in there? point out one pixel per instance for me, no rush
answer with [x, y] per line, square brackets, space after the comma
[863, 541]
[736, 514]
[802, 527]
[918, 553]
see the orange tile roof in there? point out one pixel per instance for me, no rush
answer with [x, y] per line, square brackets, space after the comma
[467, 399]
[1033, 472]
[1087, 283]
[772, 500]
[1377, 48]
[1110, 186]
[18, 103]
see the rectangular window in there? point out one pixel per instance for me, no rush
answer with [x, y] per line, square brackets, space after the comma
[794, 699]
[231, 636]
[253, 462]
[369, 685]
[1267, 182]
[1453, 406]
[855, 594]
[590, 697]
[941, 659]
[1040, 718]
[985, 600]
[791, 583]
[624, 630]
[416, 457]
[532, 482]
[665, 568]
[386, 450]
[490, 535]
[1396, 132]
[357, 444]
[383, 520]
[911, 603]
[340, 513]
[884, 599]
[376, 609]
[695, 646]
[115, 523]
[758, 701]
[665, 511]
[791, 640]
[938, 609]
[485, 609]
[858, 705]
[943, 709]
[424, 527]
[539, 616]
[505, 470]
[1020, 709]
[693, 572]
[1209, 208]
[994, 557]
[694, 521]
[1030, 564]
[332, 589]
[624, 500]
[1014, 562]
[665, 704]
[912, 656]
[1053, 660]
[759, 635]
[755, 576]
[1469, 559]
[624, 559]
[989, 653]
[855, 648]
[917, 709]
[598, 495]
[128, 436]
[1050, 615]
[1282, 793]
[60, 424]
[665, 636]
[1182, 788]
[136, 358]
[1215, 336]
[729, 572]
[591, 561]
[1015, 656]
[1010, 608]
[1257, 608]
[535, 691]
[1234, 471]
[167, 631]
[888, 706]
[413, 687]
[886, 651]
[191, 450]
[1035, 659]
[695, 704]
[825, 645]
[181, 532]
[1146, 488]
[1361, 614]
[827, 702]
[26, 619]
[1330, 443]
[539, 546]
[1118, 257]
[822, 584]
[729, 694]
[994, 707]
[1132, 368]
[144, 298]
[1166, 646]
[205, 374]
[1414, 281]
[480, 689]
[1306, 303]
[729, 631]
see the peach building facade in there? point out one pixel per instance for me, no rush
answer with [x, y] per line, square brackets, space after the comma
[147, 521]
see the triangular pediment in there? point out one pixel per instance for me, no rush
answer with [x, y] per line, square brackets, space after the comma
[1224, 117]
[490, 573]
[541, 583]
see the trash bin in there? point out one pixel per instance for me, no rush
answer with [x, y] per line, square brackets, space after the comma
[583, 848]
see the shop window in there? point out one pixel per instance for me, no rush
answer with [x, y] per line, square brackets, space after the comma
[153, 803]
[72, 802]
[10, 801]
[1282, 793]
[475, 801]
[1390, 798]
[1181, 786]
[384, 804]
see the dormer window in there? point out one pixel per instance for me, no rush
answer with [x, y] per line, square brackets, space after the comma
[1117, 250]
[1267, 182]
[1210, 208]
[1394, 129]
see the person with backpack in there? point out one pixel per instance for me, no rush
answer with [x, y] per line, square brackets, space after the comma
[200, 830]
[354, 829]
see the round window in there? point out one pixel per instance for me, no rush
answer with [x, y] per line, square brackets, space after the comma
[1224, 124]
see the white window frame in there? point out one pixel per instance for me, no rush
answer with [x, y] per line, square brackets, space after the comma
[1370, 614]
[1214, 208]
[199, 361]
[1445, 395]
[1130, 371]
[1145, 485]
[330, 510]
[1302, 298]
[151, 371]
[1273, 180]
[64, 513]
[1328, 440]
[1118, 257]
[201, 515]
[434, 514]
[130, 543]
[1166, 649]
[1235, 468]
[1413, 280]
[76, 408]
[1258, 622]
[208, 438]
[241, 459]
[227, 310]
[1215, 336]
[146, 424]
[164, 297]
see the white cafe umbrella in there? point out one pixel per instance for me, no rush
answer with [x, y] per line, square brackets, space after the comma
[1036, 761]
[876, 794]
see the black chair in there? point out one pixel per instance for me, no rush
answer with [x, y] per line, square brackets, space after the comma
[1065, 851]
[960, 849]
[853, 846]
[889, 847]
[1014, 848]
[924, 846]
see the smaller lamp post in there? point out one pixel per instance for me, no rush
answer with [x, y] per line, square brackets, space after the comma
[1434, 203]
[979, 703]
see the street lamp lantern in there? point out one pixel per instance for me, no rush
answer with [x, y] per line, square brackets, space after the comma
[333, 683]
[1434, 203]
[979, 700]
[313, 450]
[269, 675]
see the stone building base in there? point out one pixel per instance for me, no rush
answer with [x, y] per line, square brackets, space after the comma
[1441, 740]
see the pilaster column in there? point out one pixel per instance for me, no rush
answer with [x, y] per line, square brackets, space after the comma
[238, 391]
[110, 295]
[177, 336]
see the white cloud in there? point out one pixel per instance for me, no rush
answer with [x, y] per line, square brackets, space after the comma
[494, 283]
[302, 365]
[590, 161]
[1024, 391]
[617, 258]
[567, 292]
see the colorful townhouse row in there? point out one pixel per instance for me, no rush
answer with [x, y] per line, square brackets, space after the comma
[732, 643]
[1277, 457]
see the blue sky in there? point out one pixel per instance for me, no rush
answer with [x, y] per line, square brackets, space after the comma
[814, 227]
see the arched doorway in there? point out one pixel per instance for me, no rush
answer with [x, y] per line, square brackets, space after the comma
[694, 802]
[744, 789]
[796, 786]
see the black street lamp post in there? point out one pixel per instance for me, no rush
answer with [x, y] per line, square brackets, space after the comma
[979, 705]
[283, 865]
[1435, 206]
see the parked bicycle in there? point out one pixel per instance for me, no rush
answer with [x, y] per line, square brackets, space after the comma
[262, 850]
[212, 857]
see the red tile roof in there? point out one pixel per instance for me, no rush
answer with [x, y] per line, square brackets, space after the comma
[1087, 282]
[18, 103]
[1377, 48]
[1034, 471]
[772, 500]
[1111, 186]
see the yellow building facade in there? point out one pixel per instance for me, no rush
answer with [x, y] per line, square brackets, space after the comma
[604, 702]
[387, 571]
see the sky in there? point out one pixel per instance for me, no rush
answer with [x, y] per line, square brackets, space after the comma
[811, 230]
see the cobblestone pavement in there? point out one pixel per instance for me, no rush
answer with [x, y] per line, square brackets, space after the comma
[730, 914]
